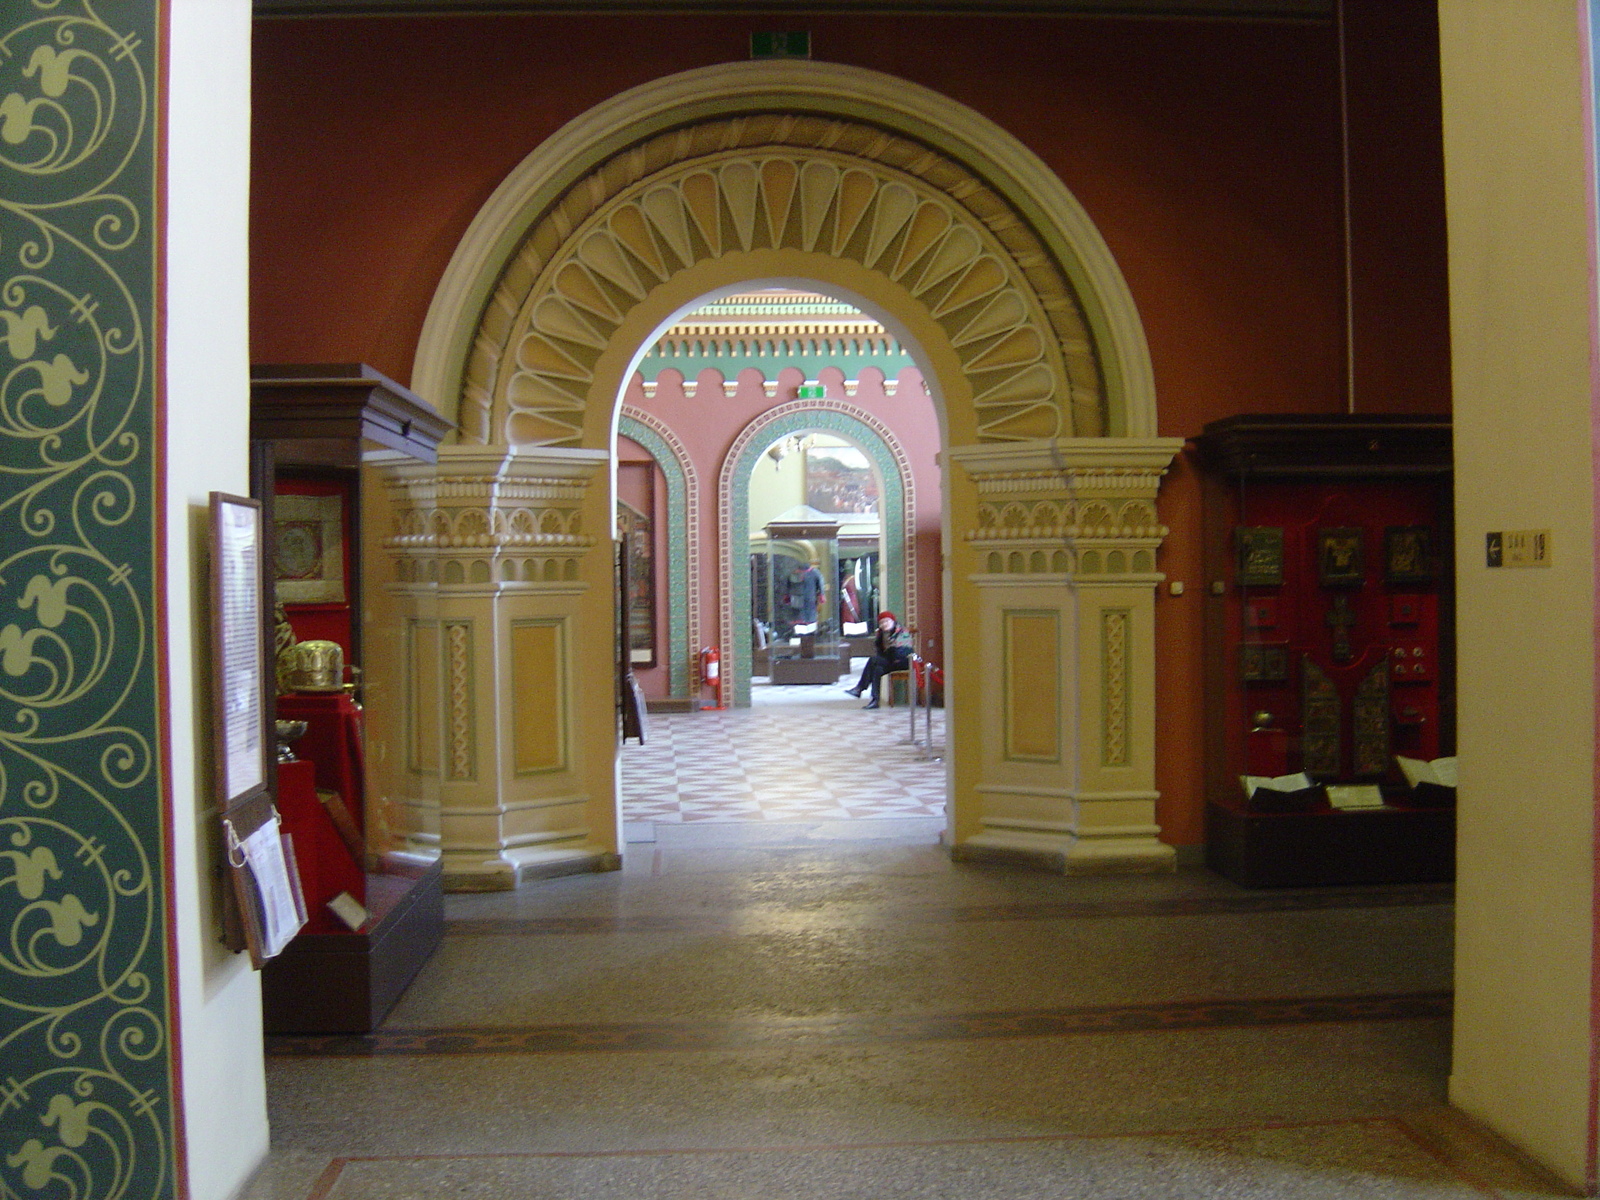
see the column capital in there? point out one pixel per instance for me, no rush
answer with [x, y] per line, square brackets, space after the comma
[1068, 506]
[481, 514]
[1067, 463]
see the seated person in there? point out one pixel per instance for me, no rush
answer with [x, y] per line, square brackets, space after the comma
[893, 654]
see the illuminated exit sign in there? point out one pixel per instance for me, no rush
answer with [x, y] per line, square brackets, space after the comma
[811, 391]
[796, 44]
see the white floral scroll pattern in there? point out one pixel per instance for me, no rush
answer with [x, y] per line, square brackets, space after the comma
[85, 1053]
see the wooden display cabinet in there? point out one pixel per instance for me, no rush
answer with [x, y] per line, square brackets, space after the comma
[309, 425]
[1330, 643]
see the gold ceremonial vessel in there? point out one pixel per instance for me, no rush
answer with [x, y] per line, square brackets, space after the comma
[314, 666]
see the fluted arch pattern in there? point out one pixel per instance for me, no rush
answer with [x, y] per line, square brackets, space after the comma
[812, 184]
[898, 517]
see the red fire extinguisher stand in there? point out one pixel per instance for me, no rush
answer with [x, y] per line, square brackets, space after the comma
[711, 672]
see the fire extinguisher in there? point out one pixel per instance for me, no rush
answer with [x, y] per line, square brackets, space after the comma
[711, 671]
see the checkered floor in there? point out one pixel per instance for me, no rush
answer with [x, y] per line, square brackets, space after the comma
[797, 754]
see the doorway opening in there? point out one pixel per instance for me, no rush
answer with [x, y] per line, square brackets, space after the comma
[814, 419]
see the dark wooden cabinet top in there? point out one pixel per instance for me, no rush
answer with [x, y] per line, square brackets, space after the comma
[1327, 445]
[320, 413]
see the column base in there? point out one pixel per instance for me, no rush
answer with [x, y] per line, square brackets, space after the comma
[516, 867]
[533, 865]
[1130, 850]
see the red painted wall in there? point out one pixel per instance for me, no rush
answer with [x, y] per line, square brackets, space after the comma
[1208, 153]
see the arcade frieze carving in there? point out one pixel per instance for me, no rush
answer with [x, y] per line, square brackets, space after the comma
[1068, 521]
[480, 529]
[810, 184]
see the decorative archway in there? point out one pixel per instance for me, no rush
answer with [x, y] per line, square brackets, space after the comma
[683, 549]
[898, 514]
[965, 246]
[997, 182]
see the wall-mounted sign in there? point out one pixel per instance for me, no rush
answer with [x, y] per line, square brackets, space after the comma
[1518, 548]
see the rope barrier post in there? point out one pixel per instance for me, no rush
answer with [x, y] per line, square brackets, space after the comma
[911, 694]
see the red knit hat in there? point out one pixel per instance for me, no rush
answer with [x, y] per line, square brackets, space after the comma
[890, 615]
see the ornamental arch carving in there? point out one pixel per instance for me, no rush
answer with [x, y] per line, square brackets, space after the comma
[790, 154]
[839, 189]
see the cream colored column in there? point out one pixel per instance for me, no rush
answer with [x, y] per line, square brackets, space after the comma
[493, 562]
[1059, 704]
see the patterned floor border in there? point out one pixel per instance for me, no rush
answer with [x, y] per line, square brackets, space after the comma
[1435, 1134]
[1405, 896]
[657, 1036]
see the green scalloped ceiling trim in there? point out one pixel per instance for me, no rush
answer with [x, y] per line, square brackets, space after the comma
[894, 523]
[768, 354]
[680, 654]
[87, 1090]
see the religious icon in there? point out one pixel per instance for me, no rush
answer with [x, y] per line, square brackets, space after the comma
[1321, 717]
[1260, 551]
[1408, 554]
[1264, 662]
[1339, 559]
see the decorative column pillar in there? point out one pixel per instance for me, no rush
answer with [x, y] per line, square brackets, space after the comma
[493, 574]
[1059, 568]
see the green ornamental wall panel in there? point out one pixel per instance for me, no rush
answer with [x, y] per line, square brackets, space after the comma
[86, 1063]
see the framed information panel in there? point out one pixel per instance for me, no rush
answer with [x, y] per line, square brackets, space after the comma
[266, 908]
[238, 651]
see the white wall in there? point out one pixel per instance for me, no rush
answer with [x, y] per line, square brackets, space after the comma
[207, 388]
[1520, 327]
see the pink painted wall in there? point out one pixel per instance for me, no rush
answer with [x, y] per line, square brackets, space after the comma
[709, 423]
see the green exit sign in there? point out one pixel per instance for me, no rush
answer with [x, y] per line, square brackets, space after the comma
[795, 44]
[811, 391]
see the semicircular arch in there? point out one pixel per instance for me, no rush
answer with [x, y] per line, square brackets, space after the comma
[888, 456]
[683, 548]
[819, 159]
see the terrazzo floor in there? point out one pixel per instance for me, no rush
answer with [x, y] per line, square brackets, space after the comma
[758, 1006]
[798, 753]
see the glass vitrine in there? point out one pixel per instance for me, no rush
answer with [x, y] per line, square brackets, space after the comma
[795, 574]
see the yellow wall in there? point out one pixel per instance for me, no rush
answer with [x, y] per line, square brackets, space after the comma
[776, 487]
[1515, 168]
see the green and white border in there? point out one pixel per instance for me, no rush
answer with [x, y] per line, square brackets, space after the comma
[880, 445]
[683, 549]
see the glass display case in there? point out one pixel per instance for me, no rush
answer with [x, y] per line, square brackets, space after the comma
[1330, 648]
[795, 599]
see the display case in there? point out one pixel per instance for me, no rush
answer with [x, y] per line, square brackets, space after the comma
[1329, 647]
[797, 612]
[310, 425]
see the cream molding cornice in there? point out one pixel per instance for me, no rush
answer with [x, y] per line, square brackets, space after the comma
[1093, 461]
